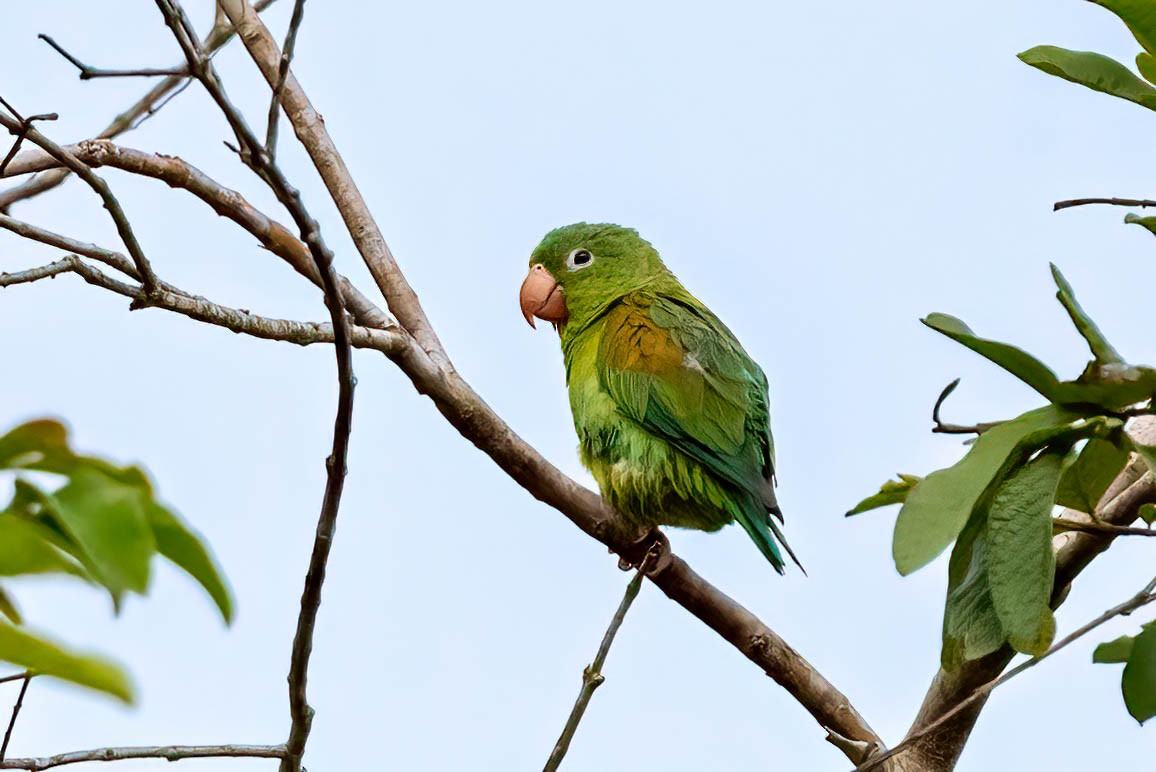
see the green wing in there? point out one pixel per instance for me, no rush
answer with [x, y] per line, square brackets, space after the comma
[673, 367]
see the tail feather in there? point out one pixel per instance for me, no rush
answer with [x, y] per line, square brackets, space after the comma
[756, 520]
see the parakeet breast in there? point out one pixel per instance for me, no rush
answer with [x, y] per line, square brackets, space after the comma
[640, 474]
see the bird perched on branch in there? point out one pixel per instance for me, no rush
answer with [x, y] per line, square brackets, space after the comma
[671, 412]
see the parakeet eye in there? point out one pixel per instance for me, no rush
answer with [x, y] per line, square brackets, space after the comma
[579, 259]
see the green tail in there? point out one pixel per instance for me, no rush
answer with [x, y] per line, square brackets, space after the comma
[765, 532]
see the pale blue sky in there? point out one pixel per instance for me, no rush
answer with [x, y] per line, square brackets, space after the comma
[822, 176]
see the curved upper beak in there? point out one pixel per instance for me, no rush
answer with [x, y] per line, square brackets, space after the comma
[541, 296]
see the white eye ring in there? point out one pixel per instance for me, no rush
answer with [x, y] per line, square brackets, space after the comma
[578, 259]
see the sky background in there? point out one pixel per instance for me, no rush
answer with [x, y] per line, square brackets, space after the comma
[820, 176]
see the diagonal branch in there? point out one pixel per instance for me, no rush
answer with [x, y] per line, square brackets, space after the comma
[88, 73]
[282, 73]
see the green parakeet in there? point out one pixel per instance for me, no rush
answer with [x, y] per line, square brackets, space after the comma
[671, 412]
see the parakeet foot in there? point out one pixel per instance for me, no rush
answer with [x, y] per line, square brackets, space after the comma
[653, 549]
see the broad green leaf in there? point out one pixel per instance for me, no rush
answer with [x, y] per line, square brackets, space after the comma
[107, 521]
[1146, 64]
[1016, 361]
[938, 506]
[1084, 482]
[892, 492]
[26, 548]
[184, 547]
[1148, 513]
[28, 651]
[1095, 71]
[1139, 681]
[1113, 386]
[971, 627]
[1139, 15]
[1021, 564]
[8, 607]
[1145, 222]
[1113, 651]
[1101, 349]
[41, 445]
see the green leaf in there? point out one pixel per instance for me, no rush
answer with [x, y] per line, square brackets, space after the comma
[1113, 386]
[28, 651]
[1144, 222]
[938, 506]
[1117, 650]
[892, 492]
[1084, 482]
[1101, 349]
[106, 519]
[1139, 15]
[1016, 361]
[8, 607]
[1139, 681]
[971, 626]
[1021, 564]
[1146, 64]
[1148, 513]
[184, 547]
[1095, 71]
[26, 548]
[41, 445]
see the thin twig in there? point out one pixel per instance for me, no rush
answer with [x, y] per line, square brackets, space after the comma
[1141, 202]
[592, 674]
[87, 72]
[283, 72]
[1140, 599]
[1096, 526]
[123, 227]
[15, 714]
[166, 752]
[14, 677]
[943, 428]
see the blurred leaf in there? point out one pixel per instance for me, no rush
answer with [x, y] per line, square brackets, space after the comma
[45, 658]
[938, 506]
[1095, 71]
[184, 547]
[1084, 482]
[26, 548]
[1145, 222]
[1139, 681]
[892, 492]
[1139, 15]
[1148, 513]
[40, 445]
[1101, 349]
[1021, 564]
[1146, 64]
[1117, 650]
[971, 627]
[107, 521]
[1019, 363]
[8, 607]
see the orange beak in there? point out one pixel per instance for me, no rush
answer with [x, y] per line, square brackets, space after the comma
[541, 296]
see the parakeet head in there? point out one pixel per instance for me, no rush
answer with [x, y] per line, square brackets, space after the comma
[578, 270]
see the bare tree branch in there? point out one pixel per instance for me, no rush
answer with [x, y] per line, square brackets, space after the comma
[592, 676]
[145, 107]
[88, 73]
[123, 227]
[1094, 526]
[1141, 202]
[282, 73]
[15, 714]
[310, 129]
[166, 752]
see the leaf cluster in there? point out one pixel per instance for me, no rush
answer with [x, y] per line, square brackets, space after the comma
[90, 520]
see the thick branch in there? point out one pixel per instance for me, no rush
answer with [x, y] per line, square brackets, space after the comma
[166, 752]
